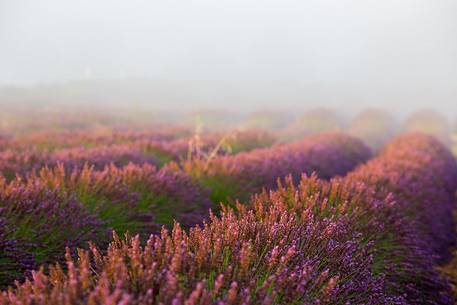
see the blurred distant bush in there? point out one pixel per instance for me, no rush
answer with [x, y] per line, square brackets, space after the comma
[314, 121]
[267, 120]
[429, 122]
[374, 126]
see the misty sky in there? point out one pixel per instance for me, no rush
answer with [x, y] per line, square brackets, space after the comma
[411, 43]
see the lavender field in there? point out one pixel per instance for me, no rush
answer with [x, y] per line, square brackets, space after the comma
[228, 152]
[166, 214]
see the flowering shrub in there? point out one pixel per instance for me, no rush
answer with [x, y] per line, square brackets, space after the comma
[243, 174]
[100, 157]
[121, 149]
[365, 238]
[135, 197]
[13, 163]
[422, 174]
[203, 145]
[318, 243]
[53, 209]
[314, 121]
[297, 251]
[53, 140]
[15, 260]
[99, 147]
[430, 122]
[375, 127]
[36, 224]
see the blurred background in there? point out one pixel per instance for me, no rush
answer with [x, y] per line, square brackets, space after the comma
[293, 68]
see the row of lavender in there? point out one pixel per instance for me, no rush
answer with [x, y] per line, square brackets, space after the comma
[45, 212]
[239, 176]
[24, 154]
[371, 237]
[66, 206]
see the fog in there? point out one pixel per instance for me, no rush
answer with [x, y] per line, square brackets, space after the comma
[232, 54]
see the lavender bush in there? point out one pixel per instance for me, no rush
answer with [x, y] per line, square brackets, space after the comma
[366, 238]
[239, 176]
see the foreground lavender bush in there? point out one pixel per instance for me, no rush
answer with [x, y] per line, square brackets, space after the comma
[422, 175]
[137, 198]
[53, 209]
[36, 224]
[353, 240]
[239, 176]
[15, 260]
[295, 246]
